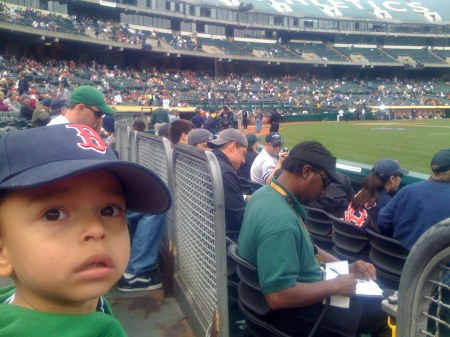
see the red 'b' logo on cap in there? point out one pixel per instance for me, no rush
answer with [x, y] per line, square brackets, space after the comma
[90, 139]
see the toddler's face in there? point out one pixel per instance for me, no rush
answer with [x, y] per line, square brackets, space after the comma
[66, 243]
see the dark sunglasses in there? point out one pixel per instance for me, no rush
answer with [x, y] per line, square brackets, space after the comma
[325, 180]
[97, 113]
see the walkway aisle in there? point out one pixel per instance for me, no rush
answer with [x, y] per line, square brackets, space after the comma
[149, 314]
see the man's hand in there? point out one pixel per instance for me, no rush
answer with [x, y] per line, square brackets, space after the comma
[363, 270]
[345, 284]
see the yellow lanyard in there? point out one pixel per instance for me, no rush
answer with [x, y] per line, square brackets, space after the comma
[290, 202]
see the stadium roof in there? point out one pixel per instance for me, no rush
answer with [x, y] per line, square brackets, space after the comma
[423, 11]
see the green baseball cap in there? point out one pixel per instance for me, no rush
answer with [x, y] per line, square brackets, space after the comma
[89, 95]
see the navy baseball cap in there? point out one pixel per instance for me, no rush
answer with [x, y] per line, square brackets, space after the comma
[441, 161]
[35, 157]
[387, 167]
[274, 139]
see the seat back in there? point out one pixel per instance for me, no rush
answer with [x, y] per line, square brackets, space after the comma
[350, 242]
[388, 256]
[249, 292]
[320, 227]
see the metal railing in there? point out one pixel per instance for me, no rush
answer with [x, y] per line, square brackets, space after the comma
[195, 226]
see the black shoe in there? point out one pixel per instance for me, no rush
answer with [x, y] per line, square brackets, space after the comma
[141, 282]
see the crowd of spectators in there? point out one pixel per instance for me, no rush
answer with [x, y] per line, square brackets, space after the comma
[131, 86]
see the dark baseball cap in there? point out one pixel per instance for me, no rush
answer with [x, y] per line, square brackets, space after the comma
[441, 161]
[198, 136]
[38, 156]
[252, 139]
[315, 154]
[87, 94]
[387, 167]
[57, 104]
[229, 135]
[274, 139]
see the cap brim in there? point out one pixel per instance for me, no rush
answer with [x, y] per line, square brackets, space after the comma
[217, 142]
[334, 175]
[106, 109]
[403, 171]
[144, 191]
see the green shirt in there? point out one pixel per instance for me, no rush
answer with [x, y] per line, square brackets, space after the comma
[274, 238]
[21, 322]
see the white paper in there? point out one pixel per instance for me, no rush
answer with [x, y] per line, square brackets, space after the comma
[333, 270]
[368, 288]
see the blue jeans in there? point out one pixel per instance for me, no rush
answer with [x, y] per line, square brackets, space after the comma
[258, 124]
[146, 231]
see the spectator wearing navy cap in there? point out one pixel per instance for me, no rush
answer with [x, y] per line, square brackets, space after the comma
[269, 160]
[418, 206]
[377, 190]
[250, 156]
[63, 190]
[57, 107]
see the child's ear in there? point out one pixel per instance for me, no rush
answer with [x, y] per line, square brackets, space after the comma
[5, 266]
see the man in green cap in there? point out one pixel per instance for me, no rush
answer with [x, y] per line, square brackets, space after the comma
[86, 106]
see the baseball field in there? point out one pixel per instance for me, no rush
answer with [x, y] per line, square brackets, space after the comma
[412, 142]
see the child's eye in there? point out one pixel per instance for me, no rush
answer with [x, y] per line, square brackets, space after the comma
[54, 214]
[111, 211]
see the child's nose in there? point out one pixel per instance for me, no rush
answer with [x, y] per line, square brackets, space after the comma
[94, 230]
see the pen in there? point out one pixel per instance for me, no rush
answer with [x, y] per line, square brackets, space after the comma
[335, 271]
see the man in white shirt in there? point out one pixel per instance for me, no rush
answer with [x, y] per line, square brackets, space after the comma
[87, 107]
[268, 160]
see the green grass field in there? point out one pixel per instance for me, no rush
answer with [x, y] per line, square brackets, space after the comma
[412, 143]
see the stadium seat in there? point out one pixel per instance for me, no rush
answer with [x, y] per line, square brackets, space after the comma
[350, 242]
[320, 227]
[252, 303]
[388, 257]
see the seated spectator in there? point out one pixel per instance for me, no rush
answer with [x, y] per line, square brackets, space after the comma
[252, 153]
[13, 101]
[164, 130]
[274, 239]
[26, 111]
[57, 107]
[230, 148]
[418, 206]
[108, 130]
[212, 124]
[199, 138]
[377, 189]
[3, 105]
[178, 131]
[69, 201]
[138, 125]
[268, 160]
[336, 198]
[41, 115]
[197, 119]
[87, 106]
